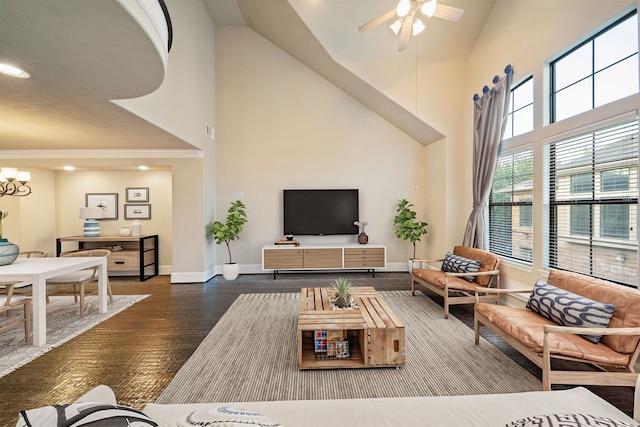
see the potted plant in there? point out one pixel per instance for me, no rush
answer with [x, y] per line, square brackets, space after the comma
[8, 251]
[406, 227]
[228, 231]
[342, 290]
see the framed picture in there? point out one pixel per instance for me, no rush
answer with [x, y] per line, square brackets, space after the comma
[137, 194]
[107, 201]
[137, 211]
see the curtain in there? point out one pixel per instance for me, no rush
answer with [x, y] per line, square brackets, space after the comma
[489, 120]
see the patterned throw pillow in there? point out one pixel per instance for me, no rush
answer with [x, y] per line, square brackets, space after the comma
[568, 309]
[568, 420]
[89, 414]
[223, 416]
[457, 264]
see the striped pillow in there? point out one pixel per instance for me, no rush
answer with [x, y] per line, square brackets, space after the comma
[457, 264]
[568, 309]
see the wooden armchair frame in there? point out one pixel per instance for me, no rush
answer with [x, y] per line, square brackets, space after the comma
[608, 375]
[454, 296]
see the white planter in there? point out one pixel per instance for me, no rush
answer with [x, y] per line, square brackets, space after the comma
[410, 265]
[231, 271]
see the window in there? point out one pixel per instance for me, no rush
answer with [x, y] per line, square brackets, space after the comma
[592, 198]
[511, 207]
[614, 180]
[600, 70]
[520, 116]
[582, 183]
[614, 221]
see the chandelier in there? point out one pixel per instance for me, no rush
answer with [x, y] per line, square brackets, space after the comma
[14, 182]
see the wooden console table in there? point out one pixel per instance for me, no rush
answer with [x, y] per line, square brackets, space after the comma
[139, 254]
[374, 333]
[324, 257]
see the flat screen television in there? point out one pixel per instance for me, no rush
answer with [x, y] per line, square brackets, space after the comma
[320, 212]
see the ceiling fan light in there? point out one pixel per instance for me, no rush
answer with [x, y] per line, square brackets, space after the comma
[429, 8]
[403, 8]
[418, 27]
[395, 27]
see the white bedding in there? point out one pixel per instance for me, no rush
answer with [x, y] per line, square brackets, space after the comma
[455, 411]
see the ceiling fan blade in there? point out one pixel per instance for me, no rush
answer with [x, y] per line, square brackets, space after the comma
[405, 31]
[377, 21]
[448, 12]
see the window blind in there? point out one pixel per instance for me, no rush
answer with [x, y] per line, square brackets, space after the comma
[592, 200]
[511, 206]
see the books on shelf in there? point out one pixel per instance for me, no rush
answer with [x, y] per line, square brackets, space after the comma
[283, 242]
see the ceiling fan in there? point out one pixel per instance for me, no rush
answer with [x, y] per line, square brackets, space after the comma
[407, 23]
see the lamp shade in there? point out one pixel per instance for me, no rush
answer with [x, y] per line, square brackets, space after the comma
[91, 212]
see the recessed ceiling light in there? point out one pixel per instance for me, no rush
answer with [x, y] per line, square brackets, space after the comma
[12, 71]
[69, 168]
[143, 167]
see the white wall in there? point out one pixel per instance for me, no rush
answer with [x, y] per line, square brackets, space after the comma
[281, 126]
[183, 105]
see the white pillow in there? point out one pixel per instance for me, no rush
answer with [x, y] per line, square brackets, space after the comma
[223, 416]
[568, 420]
[89, 414]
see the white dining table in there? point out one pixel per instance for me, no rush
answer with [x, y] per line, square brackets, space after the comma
[37, 270]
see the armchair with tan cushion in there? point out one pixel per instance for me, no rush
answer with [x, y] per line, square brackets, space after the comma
[458, 287]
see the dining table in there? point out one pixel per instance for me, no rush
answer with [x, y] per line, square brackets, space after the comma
[36, 271]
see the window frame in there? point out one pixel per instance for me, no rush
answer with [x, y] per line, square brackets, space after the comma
[553, 90]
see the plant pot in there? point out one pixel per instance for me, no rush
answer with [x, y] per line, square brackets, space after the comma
[231, 271]
[8, 252]
[343, 302]
[410, 265]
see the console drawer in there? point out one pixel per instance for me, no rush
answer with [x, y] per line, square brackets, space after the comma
[125, 260]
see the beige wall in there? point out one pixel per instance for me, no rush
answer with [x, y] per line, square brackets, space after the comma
[31, 220]
[281, 126]
[71, 188]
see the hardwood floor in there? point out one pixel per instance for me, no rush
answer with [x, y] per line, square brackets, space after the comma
[138, 351]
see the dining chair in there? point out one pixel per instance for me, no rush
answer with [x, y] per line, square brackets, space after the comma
[18, 288]
[9, 302]
[75, 283]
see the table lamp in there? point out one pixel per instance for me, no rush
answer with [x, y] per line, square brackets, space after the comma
[91, 226]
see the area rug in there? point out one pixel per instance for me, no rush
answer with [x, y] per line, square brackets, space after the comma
[63, 324]
[251, 355]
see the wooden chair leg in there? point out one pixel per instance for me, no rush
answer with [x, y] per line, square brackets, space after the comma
[82, 299]
[413, 287]
[27, 321]
[476, 330]
[109, 291]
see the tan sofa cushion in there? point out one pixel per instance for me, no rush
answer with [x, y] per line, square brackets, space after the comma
[488, 262]
[626, 300]
[527, 327]
[436, 277]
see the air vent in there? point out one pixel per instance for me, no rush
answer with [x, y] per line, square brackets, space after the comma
[208, 129]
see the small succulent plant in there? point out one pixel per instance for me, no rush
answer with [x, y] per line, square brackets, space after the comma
[342, 288]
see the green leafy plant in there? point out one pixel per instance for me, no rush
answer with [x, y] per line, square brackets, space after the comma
[405, 225]
[342, 290]
[230, 230]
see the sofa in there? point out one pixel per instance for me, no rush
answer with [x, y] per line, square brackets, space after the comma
[453, 280]
[570, 317]
[537, 408]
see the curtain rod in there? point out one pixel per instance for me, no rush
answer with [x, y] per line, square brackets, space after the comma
[496, 79]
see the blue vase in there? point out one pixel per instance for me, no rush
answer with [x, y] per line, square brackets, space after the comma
[8, 252]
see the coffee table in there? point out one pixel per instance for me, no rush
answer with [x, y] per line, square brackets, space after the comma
[375, 335]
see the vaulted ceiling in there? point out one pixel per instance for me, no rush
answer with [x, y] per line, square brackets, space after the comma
[69, 46]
